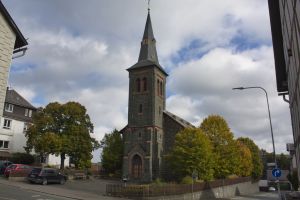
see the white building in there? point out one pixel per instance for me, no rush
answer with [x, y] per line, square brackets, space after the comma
[17, 116]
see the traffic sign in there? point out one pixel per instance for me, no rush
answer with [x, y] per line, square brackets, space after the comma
[276, 172]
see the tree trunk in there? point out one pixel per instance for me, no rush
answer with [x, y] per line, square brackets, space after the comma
[62, 160]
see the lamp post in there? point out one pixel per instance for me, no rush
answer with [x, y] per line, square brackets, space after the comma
[257, 87]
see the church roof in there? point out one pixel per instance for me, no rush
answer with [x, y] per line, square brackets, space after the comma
[179, 120]
[148, 54]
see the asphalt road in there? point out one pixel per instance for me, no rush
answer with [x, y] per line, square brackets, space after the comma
[259, 196]
[16, 193]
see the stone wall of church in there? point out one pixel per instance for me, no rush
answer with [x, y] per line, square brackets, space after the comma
[171, 128]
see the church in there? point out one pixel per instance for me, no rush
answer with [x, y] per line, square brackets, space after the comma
[149, 135]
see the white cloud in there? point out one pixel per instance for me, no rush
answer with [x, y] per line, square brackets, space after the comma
[81, 53]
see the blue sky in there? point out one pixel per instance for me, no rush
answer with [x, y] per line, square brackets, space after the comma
[79, 51]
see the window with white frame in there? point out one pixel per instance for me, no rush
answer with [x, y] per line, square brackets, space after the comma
[9, 107]
[4, 144]
[7, 123]
[28, 112]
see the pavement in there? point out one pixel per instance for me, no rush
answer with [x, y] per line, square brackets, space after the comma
[58, 191]
[94, 189]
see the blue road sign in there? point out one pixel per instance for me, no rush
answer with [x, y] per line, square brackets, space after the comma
[276, 172]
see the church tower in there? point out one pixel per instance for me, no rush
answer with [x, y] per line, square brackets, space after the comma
[143, 136]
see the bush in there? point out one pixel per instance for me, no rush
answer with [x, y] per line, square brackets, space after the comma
[293, 178]
[187, 180]
[22, 158]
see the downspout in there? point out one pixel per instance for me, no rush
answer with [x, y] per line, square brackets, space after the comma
[285, 99]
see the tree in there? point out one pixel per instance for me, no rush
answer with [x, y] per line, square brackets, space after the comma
[224, 147]
[255, 155]
[62, 129]
[192, 152]
[112, 152]
[245, 160]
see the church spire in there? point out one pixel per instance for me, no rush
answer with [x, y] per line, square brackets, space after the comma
[148, 44]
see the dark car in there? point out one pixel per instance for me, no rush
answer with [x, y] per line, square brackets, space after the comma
[45, 176]
[3, 165]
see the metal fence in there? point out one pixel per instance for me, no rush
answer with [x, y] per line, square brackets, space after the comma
[132, 191]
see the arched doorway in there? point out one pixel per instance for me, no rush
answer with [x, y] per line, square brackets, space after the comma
[136, 169]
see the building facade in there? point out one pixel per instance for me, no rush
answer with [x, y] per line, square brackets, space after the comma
[285, 26]
[11, 41]
[17, 116]
[150, 132]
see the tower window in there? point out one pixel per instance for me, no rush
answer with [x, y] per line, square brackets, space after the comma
[160, 89]
[159, 110]
[157, 87]
[145, 84]
[141, 108]
[138, 85]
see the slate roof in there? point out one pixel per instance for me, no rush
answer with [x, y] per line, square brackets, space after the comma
[179, 120]
[15, 98]
[148, 54]
[20, 40]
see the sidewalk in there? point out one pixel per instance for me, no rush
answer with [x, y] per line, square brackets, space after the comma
[61, 192]
[259, 196]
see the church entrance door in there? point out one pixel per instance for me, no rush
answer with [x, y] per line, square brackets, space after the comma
[136, 167]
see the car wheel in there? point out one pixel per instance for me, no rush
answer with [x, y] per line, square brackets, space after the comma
[62, 181]
[45, 182]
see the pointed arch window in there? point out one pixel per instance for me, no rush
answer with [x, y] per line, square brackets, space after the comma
[161, 88]
[144, 84]
[138, 85]
[157, 87]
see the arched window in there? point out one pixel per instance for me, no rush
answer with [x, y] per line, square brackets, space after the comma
[161, 88]
[157, 87]
[141, 108]
[145, 84]
[138, 85]
[136, 167]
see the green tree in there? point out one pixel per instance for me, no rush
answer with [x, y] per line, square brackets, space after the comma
[192, 152]
[255, 154]
[224, 147]
[284, 161]
[112, 152]
[62, 129]
[245, 160]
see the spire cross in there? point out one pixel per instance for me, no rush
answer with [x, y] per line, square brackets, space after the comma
[149, 5]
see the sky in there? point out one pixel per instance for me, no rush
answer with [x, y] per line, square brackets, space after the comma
[80, 50]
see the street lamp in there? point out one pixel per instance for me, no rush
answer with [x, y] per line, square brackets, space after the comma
[257, 87]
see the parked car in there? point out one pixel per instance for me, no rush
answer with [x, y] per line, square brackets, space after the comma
[21, 169]
[45, 176]
[3, 165]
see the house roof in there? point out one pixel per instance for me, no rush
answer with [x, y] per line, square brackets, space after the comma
[148, 54]
[20, 40]
[179, 120]
[276, 29]
[15, 98]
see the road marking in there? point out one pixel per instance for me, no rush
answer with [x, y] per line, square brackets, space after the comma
[4, 198]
